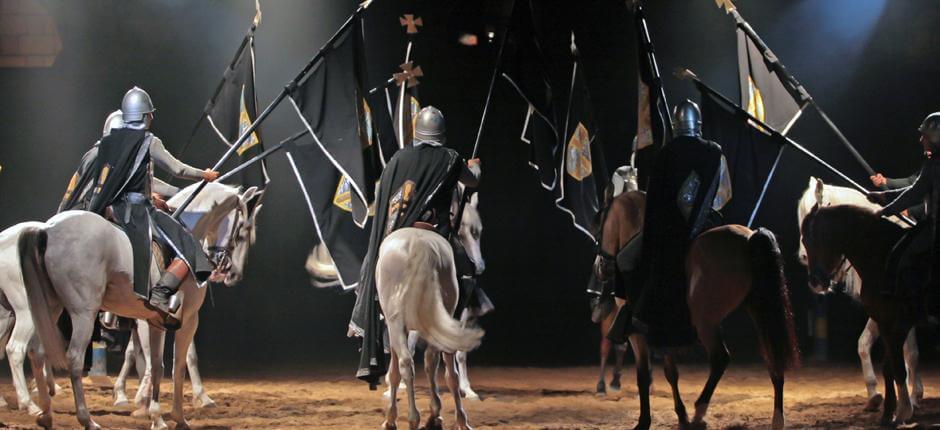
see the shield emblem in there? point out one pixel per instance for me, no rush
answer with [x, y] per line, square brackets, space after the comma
[578, 157]
[343, 198]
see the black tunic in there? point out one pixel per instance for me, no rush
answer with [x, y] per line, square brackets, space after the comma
[682, 186]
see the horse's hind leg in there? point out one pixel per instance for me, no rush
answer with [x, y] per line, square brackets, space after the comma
[41, 372]
[865, 342]
[896, 360]
[431, 359]
[643, 379]
[912, 362]
[450, 372]
[181, 345]
[605, 353]
[398, 338]
[619, 352]
[672, 375]
[890, 403]
[82, 326]
[718, 359]
[16, 349]
[393, 377]
[201, 399]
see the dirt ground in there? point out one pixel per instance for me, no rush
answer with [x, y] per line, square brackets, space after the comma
[513, 398]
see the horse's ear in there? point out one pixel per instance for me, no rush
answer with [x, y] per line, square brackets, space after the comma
[819, 190]
[474, 199]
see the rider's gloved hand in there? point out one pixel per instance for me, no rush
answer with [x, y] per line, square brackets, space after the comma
[210, 175]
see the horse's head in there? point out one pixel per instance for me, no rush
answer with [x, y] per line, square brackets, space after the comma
[814, 196]
[471, 230]
[236, 236]
[825, 258]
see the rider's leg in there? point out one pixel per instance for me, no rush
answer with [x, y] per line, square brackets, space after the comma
[169, 283]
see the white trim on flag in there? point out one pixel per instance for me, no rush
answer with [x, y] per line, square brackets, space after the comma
[316, 223]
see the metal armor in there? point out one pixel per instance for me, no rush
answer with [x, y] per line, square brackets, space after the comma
[136, 105]
[114, 120]
[930, 128]
[429, 126]
[688, 119]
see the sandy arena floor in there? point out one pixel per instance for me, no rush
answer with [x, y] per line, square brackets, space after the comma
[513, 398]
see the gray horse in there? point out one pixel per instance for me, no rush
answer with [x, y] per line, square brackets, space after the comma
[81, 263]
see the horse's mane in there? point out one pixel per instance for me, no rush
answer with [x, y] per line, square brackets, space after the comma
[855, 221]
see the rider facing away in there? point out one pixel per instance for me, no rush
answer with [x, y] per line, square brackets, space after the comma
[116, 178]
[879, 180]
[415, 190]
[688, 184]
[919, 244]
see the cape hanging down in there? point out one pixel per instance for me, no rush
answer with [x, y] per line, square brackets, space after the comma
[412, 180]
[120, 156]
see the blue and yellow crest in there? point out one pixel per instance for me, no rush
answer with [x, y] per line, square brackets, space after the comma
[343, 196]
[244, 121]
[578, 156]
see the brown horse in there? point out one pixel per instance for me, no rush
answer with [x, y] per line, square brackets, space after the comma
[726, 266]
[833, 234]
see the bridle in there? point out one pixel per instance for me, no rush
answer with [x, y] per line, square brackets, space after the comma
[221, 256]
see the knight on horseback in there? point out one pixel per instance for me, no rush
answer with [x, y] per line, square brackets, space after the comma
[415, 190]
[689, 183]
[919, 244]
[115, 180]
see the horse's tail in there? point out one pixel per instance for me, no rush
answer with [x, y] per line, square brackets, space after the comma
[769, 303]
[32, 248]
[422, 306]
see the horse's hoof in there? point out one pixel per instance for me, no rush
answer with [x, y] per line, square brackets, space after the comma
[204, 402]
[387, 426]
[44, 420]
[182, 425]
[92, 425]
[122, 403]
[698, 425]
[33, 409]
[601, 389]
[159, 424]
[470, 395]
[643, 424]
[615, 382]
[140, 412]
[436, 423]
[778, 422]
[874, 403]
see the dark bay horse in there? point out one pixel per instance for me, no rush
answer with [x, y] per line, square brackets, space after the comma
[834, 234]
[727, 267]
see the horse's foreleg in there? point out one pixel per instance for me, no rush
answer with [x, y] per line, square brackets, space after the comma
[890, 403]
[718, 359]
[912, 362]
[619, 352]
[82, 326]
[896, 360]
[157, 338]
[672, 376]
[643, 379]
[142, 398]
[462, 370]
[431, 359]
[450, 372]
[181, 345]
[201, 399]
[865, 342]
[16, 349]
[130, 355]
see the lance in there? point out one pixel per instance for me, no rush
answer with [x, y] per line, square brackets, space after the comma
[476, 143]
[796, 90]
[267, 111]
[267, 152]
[785, 140]
[649, 50]
[249, 40]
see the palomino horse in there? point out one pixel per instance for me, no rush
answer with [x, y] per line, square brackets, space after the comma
[727, 267]
[80, 262]
[834, 234]
[827, 195]
[417, 286]
[228, 242]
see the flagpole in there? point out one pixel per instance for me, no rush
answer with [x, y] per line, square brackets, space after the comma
[270, 108]
[795, 85]
[263, 155]
[647, 42]
[687, 74]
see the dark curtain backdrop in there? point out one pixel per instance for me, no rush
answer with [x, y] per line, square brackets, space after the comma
[872, 64]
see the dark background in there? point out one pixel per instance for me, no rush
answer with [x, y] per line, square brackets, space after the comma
[873, 64]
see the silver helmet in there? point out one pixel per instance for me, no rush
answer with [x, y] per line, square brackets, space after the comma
[114, 120]
[429, 127]
[136, 104]
[930, 128]
[687, 119]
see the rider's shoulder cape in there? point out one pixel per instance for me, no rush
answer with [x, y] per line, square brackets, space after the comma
[120, 156]
[410, 181]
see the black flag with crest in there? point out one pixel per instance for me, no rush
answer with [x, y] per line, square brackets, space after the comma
[763, 93]
[582, 159]
[234, 106]
[525, 69]
[751, 153]
[337, 164]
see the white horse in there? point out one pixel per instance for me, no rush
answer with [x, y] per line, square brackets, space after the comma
[80, 262]
[323, 274]
[417, 286]
[229, 241]
[828, 195]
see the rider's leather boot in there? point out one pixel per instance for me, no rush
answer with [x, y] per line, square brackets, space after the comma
[163, 299]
